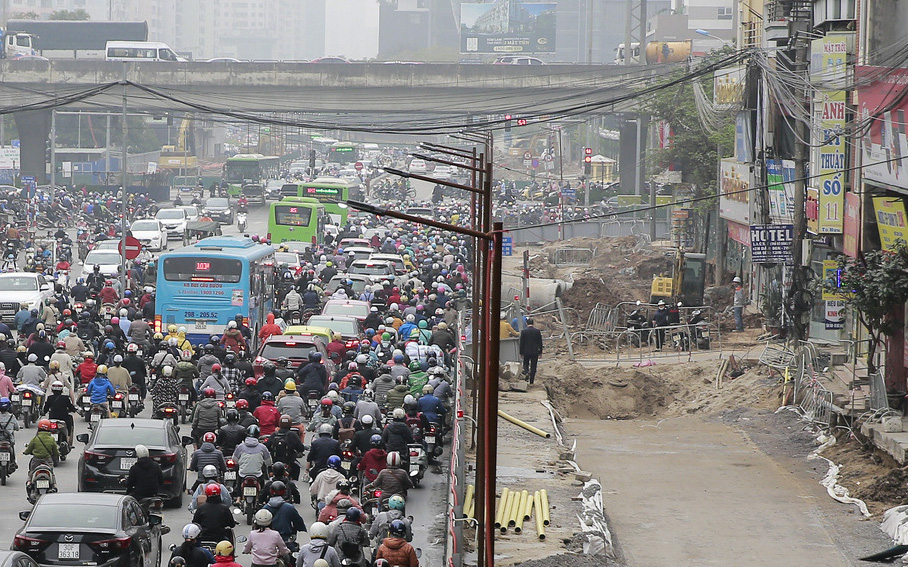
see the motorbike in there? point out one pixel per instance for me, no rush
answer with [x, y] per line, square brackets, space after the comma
[372, 503]
[168, 411]
[433, 441]
[7, 466]
[185, 402]
[312, 403]
[108, 310]
[40, 481]
[241, 221]
[637, 322]
[63, 278]
[30, 402]
[229, 400]
[117, 405]
[696, 333]
[9, 263]
[59, 430]
[95, 414]
[85, 406]
[249, 497]
[347, 457]
[230, 475]
[135, 401]
[418, 462]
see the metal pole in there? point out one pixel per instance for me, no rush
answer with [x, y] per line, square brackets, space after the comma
[799, 331]
[123, 181]
[490, 431]
[475, 180]
[107, 154]
[53, 150]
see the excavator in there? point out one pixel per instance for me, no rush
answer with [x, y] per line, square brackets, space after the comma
[686, 283]
[180, 161]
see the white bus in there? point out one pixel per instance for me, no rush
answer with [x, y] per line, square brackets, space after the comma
[140, 51]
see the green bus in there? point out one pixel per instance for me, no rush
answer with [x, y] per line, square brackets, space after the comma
[249, 169]
[332, 192]
[296, 219]
[343, 153]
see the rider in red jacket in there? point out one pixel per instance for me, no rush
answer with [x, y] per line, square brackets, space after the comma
[268, 415]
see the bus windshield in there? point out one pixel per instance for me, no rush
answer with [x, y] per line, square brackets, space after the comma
[292, 216]
[237, 171]
[202, 269]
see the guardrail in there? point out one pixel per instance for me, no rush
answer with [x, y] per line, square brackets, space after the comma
[568, 256]
[454, 547]
[669, 340]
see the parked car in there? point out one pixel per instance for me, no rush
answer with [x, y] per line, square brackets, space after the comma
[110, 451]
[150, 232]
[106, 530]
[17, 288]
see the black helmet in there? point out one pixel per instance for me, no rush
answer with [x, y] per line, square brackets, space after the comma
[209, 348]
[353, 514]
[344, 486]
[253, 431]
[283, 361]
[349, 407]
[229, 358]
[233, 416]
[162, 345]
[177, 561]
[267, 395]
[278, 469]
[278, 488]
[315, 356]
[397, 528]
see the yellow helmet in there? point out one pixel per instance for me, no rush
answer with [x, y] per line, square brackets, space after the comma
[290, 385]
[171, 328]
[102, 369]
[224, 549]
[54, 365]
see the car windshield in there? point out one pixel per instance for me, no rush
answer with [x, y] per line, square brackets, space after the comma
[358, 285]
[171, 214]
[286, 258]
[371, 269]
[130, 437]
[19, 283]
[352, 310]
[144, 226]
[338, 326]
[102, 257]
[76, 516]
[272, 351]
[217, 203]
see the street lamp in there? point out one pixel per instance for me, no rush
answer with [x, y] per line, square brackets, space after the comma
[707, 34]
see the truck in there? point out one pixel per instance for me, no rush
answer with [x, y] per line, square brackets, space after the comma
[60, 39]
[661, 52]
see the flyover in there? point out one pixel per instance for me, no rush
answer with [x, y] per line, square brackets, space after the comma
[30, 88]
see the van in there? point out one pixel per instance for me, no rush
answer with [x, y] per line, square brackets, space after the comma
[140, 51]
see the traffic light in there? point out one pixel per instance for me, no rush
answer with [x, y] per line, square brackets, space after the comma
[507, 122]
[587, 161]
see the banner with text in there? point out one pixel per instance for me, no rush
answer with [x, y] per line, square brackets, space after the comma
[735, 183]
[771, 243]
[883, 104]
[507, 27]
[780, 184]
[890, 220]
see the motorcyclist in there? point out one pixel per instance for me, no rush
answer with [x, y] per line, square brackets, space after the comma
[191, 553]
[366, 406]
[285, 444]
[99, 389]
[207, 415]
[32, 374]
[396, 435]
[59, 406]
[251, 456]
[279, 473]
[145, 478]
[207, 360]
[321, 450]
[138, 372]
[213, 516]
[395, 397]
[326, 480]
[392, 479]
[250, 394]
[350, 538]
[290, 403]
[8, 427]
[264, 543]
[324, 417]
[395, 548]
[246, 417]
[217, 382]
[187, 374]
[210, 476]
[286, 520]
[329, 513]
[382, 521]
[374, 460]
[269, 382]
[166, 389]
[312, 377]
[430, 406]
[233, 338]
[317, 548]
[270, 328]
[42, 447]
[267, 414]
[231, 434]
[206, 455]
[118, 375]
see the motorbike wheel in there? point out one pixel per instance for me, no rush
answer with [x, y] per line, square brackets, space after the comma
[182, 415]
[26, 419]
[2, 476]
[62, 457]
[249, 513]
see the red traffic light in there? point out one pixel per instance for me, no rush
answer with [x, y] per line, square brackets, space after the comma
[588, 151]
[588, 159]
[521, 121]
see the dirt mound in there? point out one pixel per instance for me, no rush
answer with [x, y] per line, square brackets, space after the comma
[587, 291]
[649, 266]
[868, 474]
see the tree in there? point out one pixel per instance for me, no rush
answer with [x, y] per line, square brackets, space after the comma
[25, 16]
[873, 285]
[78, 15]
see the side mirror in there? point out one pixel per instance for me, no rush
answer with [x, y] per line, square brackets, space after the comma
[45, 287]
[187, 440]
[24, 514]
[82, 438]
[164, 530]
[154, 520]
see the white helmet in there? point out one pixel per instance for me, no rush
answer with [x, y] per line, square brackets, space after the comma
[410, 318]
[191, 531]
[141, 451]
[263, 518]
[209, 471]
[167, 371]
[318, 530]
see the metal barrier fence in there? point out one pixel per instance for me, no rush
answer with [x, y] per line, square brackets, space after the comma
[573, 256]
[668, 340]
[878, 398]
[600, 323]
[454, 544]
[556, 232]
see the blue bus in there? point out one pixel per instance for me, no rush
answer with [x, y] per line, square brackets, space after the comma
[205, 285]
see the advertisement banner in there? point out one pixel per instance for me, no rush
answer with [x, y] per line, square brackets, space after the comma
[728, 86]
[739, 233]
[834, 319]
[812, 210]
[832, 277]
[780, 183]
[831, 163]
[734, 201]
[744, 139]
[9, 157]
[771, 243]
[882, 103]
[890, 220]
[507, 27]
[851, 240]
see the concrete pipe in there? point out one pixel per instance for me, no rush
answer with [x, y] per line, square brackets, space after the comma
[544, 497]
[468, 501]
[502, 504]
[537, 502]
[524, 425]
[543, 291]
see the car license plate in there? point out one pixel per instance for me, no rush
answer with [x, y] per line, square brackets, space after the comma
[230, 475]
[126, 463]
[26, 402]
[201, 324]
[250, 491]
[133, 397]
[430, 439]
[68, 551]
[117, 405]
[184, 397]
[4, 457]
[42, 483]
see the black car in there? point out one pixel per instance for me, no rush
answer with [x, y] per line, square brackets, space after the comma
[16, 559]
[219, 209]
[111, 451]
[106, 530]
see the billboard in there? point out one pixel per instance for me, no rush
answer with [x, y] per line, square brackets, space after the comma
[506, 27]
[735, 184]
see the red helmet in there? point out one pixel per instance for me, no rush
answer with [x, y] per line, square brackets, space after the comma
[212, 489]
[209, 393]
[126, 302]
[67, 312]
[326, 402]
[61, 344]
[209, 437]
[44, 425]
[215, 367]
[242, 403]
[251, 381]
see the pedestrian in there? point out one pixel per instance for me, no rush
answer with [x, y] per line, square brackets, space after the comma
[530, 349]
[738, 306]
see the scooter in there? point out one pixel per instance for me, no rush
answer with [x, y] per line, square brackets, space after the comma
[95, 415]
[636, 321]
[347, 456]
[31, 399]
[7, 466]
[58, 428]
[241, 221]
[433, 441]
[41, 481]
[312, 402]
[417, 462]
[230, 475]
[185, 404]
[249, 497]
[117, 405]
[85, 406]
[168, 411]
[372, 503]
[134, 400]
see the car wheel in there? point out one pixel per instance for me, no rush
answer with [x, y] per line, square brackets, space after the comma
[177, 501]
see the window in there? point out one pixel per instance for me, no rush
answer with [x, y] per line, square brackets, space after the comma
[292, 216]
[207, 269]
[725, 13]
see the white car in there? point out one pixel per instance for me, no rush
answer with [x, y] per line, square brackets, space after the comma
[150, 232]
[290, 258]
[443, 172]
[17, 288]
[174, 221]
[109, 261]
[192, 212]
[418, 166]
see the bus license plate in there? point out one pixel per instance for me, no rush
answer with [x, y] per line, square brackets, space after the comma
[133, 397]
[201, 324]
[250, 491]
[230, 475]
[42, 483]
[68, 551]
[26, 402]
[126, 463]
[184, 397]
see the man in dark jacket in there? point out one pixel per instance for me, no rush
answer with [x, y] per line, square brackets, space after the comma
[145, 478]
[213, 516]
[530, 349]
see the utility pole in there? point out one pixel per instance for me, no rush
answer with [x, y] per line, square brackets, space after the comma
[799, 280]
[123, 181]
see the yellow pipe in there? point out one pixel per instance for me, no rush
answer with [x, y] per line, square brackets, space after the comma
[540, 530]
[521, 510]
[519, 504]
[524, 425]
[507, 512]
[472, 509]
[512, 512]
[468, 499]
[501, 506]
[544, 496]
[528, 511]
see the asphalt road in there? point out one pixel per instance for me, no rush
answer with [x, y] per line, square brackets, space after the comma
[425, 504]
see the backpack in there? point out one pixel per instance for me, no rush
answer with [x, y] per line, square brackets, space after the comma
[345, 432]
[279, 449]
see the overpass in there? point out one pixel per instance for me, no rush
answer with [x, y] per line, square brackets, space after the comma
[288, 87]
